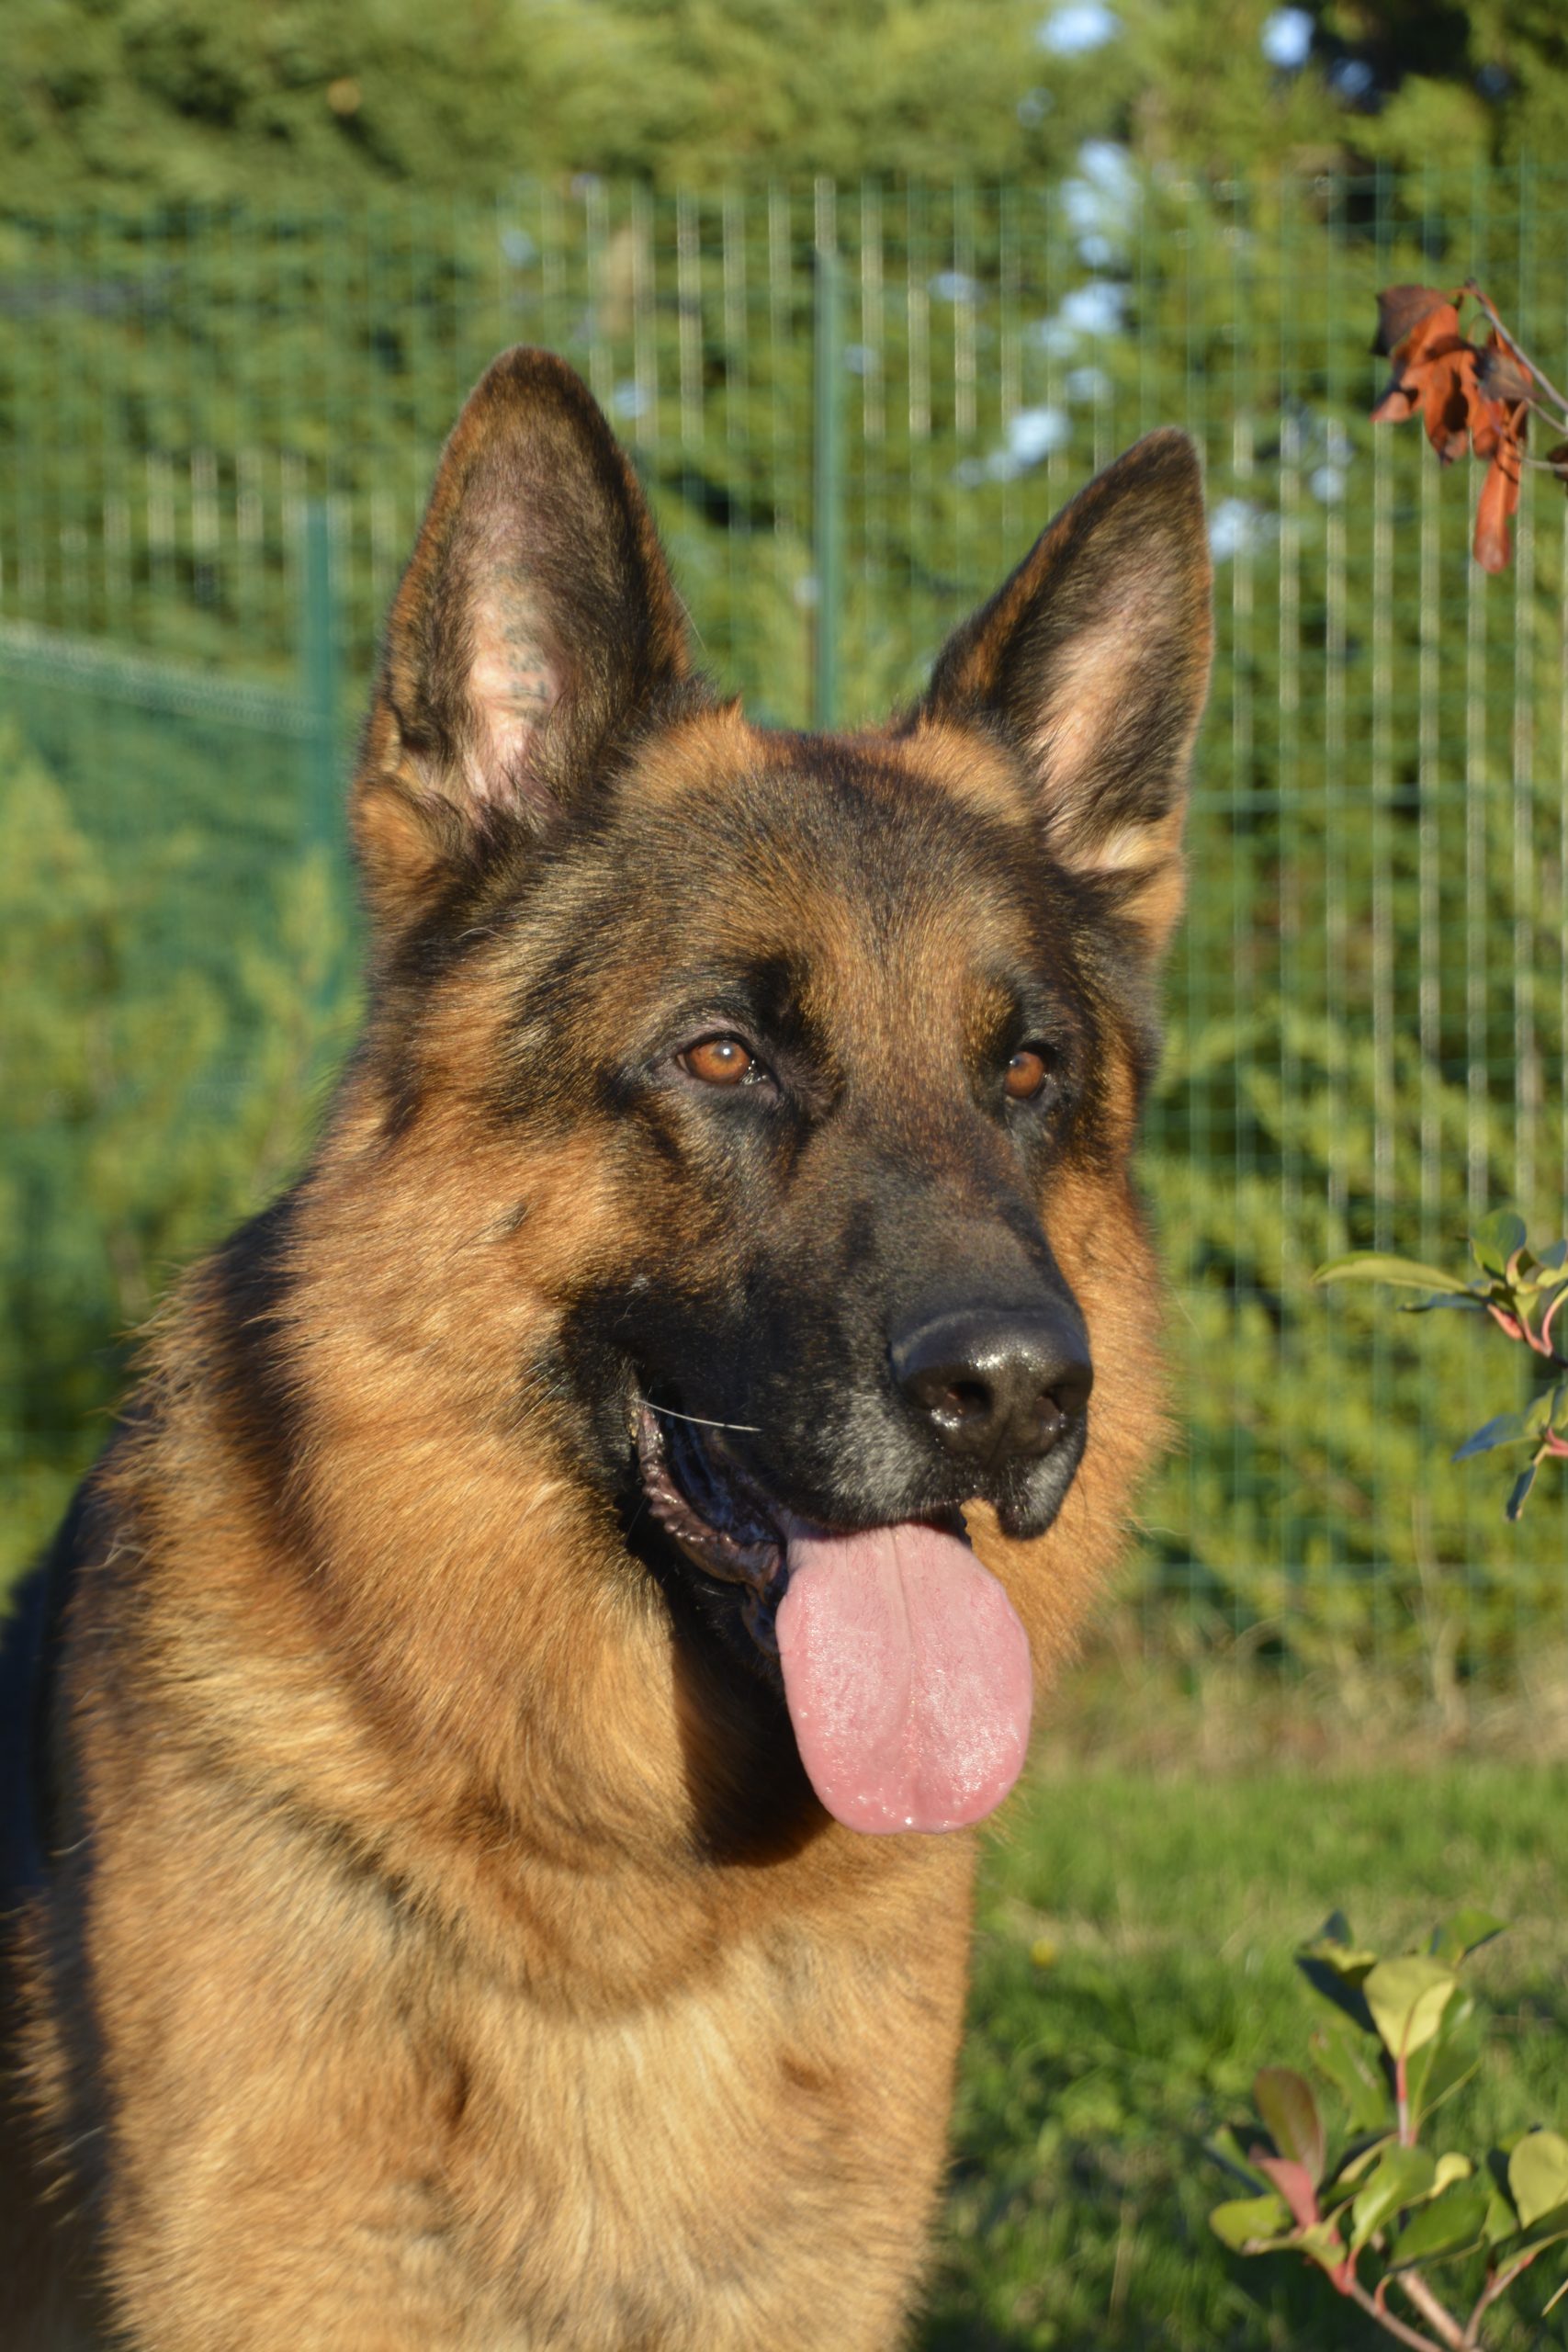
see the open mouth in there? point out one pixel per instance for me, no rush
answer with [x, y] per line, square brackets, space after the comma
[710, 1508]
[906, 1671]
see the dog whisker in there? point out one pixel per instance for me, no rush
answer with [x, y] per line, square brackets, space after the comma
[668, 1413]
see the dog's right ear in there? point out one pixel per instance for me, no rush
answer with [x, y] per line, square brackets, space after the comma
[536, 619]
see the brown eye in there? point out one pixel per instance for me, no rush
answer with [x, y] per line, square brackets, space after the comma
[719, 1061]
[1026, 1075]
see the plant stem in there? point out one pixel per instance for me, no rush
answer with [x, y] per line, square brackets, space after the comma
[1496, 2284]
[1438, 2317]
[1397, 2328]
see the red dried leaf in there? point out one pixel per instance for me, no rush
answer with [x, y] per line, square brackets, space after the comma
[1400, 309]
[1499, 498]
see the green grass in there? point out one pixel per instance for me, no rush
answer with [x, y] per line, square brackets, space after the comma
[1131, 1972]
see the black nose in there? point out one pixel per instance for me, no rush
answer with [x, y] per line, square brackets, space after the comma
[996, 1385]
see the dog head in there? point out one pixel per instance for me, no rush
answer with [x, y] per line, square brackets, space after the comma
[790, 1080]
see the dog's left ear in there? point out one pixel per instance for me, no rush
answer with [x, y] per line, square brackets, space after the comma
[1092, 663]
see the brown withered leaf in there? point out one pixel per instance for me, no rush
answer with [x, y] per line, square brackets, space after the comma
[1434, 370]
[1399, 310]
[1500, 496]
[1467, 395]
[1500, 374]
[1448, 402]
[1435, 332]
[1488, 423]
[1393, 404]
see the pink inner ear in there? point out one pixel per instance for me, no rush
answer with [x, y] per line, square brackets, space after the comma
[1088, 696]
[1093, 674]
[514, 686]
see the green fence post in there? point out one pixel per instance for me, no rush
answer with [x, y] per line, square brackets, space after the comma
[828, 462]
[319, 657]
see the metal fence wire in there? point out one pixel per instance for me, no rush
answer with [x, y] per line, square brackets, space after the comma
[854, 409]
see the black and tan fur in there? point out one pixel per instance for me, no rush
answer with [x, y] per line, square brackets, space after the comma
[426, 1940]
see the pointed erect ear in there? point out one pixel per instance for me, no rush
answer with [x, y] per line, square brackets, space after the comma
[536, 621]
[1093, 662]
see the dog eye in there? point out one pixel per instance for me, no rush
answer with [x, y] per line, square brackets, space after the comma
[1028, 1074]
[722, 1061]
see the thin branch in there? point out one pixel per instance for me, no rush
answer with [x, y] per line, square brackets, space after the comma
[1519, 353]
[1396, 2327]
[1497, 2285]
[1556, 418]
[1437, 2316]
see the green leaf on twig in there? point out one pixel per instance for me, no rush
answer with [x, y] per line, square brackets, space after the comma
[1495, 1240]
[1336, 1967]
[1358, 2161]
[1285, 2101]
[1465, 1933]
[1407, 1998]
[1252, 2224]
[1501, 2222]
[1343, 2057]
[1505, 1428]
[1440, 2065]
[1453, 2224]
[1227, 2150]
[1367, 1266]
[1403, 2176]
[1538, 2175]
[1519, 1493]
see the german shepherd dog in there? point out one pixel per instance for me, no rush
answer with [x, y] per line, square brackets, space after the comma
[647, 1455]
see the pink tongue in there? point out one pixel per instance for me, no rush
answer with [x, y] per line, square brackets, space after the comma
[906, 1675]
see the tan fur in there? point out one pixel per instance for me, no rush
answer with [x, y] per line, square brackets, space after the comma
[390, 1993]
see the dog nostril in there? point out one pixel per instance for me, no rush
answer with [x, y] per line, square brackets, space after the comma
[968, 1398]
[1069, 1394]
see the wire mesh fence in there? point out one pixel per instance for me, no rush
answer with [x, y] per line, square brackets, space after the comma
[854, 409]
